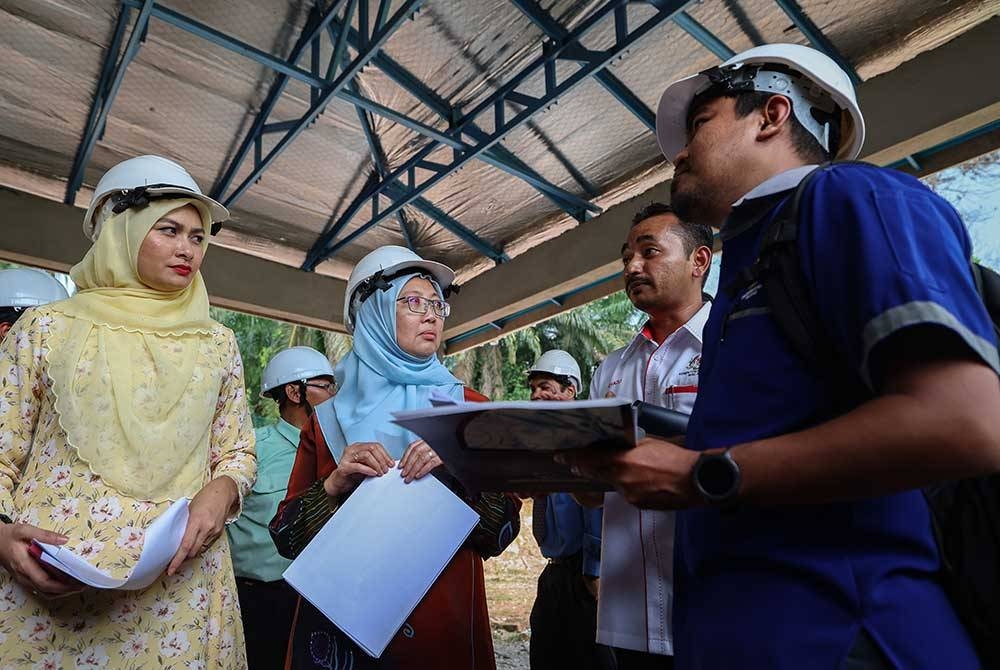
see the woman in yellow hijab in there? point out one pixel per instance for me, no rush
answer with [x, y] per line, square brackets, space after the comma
[113, 404]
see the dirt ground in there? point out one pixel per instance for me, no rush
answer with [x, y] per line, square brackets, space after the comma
[511, 579]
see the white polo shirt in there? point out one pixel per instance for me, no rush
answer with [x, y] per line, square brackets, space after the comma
[637, 547]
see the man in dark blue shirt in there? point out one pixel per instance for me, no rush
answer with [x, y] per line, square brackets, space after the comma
[804, 541]
[564, 616]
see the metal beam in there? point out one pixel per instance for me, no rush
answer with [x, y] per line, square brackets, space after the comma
[499, 157]
[899, 124]
[315, 25]
[426, 207]
[625, 39]
[453, 226]
[703, 36]
[612, 84]
[108, 85]
[379, 160]
[402, 14]
[225, 41]
[279, 65]
[920, 163]
[816, 37]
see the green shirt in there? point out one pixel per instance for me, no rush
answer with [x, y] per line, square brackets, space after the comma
[254, 554]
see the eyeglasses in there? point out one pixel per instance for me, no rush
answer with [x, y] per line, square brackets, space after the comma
[420, 305]
[329, 387]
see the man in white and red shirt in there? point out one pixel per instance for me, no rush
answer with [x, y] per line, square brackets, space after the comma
[666, 262]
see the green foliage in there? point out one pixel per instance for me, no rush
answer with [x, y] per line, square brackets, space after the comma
[588, 333]
[259, 339]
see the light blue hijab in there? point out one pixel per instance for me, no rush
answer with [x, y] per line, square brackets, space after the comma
[377, 378]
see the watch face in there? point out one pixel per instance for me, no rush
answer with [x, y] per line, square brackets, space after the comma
[717, 476]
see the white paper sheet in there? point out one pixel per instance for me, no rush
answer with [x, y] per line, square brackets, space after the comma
[373, 562]
[163, 537]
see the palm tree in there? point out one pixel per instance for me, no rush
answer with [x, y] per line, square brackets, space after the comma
[588, 333]
[259, 339]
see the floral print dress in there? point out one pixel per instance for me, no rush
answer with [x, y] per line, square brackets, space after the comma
[190, 620]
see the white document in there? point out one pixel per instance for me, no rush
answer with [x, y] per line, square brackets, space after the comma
[163, 538]
[373, 562]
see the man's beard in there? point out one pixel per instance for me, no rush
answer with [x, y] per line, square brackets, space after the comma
[690, 204]
[641, 302]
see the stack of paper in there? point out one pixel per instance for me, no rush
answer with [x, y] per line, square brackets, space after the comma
[374, 560]
[163, 538]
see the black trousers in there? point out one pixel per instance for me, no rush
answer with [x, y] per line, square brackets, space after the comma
[267, 610]
[564, 622]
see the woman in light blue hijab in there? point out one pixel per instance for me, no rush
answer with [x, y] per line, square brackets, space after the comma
[395, 306]
[392, 365]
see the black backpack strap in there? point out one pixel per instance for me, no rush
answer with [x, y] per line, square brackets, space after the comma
[778, 269]
[792, 305]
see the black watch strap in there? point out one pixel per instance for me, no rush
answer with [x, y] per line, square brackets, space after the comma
[717, 477]
[6, 519]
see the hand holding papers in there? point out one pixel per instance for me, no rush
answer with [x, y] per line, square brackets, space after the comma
[351, 571]
[508, 446]
[163, 537]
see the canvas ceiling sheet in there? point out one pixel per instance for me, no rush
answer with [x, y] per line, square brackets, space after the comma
[588, 143]
[193, 101]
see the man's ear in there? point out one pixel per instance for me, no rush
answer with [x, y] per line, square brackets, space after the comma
[292, 392]
[774, 116]
[702, 259]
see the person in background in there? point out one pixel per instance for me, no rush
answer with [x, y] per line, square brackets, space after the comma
[665, 263]
[564, 615]
[21, 288]
[297, 378]
[395, 307]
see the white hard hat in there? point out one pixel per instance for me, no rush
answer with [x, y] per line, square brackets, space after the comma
[560, 363]
[294, 364]
[390, 261]
[26, 287]
[159, 176]
[823, 85]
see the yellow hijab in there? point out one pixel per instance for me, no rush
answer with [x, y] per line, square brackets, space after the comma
[130, 394]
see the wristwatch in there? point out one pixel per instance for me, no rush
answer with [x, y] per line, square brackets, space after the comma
[5, 519]
[716, 477]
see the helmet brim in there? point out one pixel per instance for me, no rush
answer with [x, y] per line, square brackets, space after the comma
[216, 210]
[442, 274]
[671, 114]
